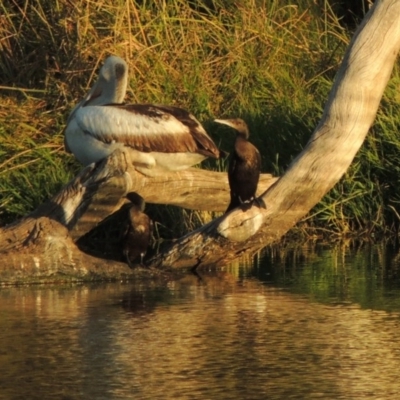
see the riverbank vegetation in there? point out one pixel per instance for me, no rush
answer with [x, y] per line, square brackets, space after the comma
[270, 62]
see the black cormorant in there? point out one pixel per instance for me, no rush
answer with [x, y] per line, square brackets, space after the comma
[138, 235]
[244, 166]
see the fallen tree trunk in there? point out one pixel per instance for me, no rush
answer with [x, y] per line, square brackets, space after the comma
[41, 247]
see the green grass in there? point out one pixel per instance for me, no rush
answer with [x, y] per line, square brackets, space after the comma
[270, 62]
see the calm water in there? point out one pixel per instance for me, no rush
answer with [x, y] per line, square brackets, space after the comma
[306, 323]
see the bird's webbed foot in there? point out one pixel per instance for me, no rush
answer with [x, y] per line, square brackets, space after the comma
[246, 205]
[135, 263]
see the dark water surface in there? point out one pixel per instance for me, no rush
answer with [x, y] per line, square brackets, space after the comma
[320, 323]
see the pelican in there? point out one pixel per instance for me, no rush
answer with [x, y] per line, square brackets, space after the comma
[138, 235]
[160, 137]
[244, 166]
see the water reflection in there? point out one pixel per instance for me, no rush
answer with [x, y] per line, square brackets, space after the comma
[366, 274]
[324, 325]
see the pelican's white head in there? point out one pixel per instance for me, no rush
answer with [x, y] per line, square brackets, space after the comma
[111, 84]
[110, 87]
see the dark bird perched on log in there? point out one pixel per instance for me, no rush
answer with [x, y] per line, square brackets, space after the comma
[244, 166]
[138, 235]
[160, 137]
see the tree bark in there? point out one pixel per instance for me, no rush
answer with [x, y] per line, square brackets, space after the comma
[41, 247]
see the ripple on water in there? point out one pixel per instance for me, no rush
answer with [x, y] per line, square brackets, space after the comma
[220, 338]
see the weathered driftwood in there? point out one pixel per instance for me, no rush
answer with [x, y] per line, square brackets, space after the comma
[41, 246]
[193, 188]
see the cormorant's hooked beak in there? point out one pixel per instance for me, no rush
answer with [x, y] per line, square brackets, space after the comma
[224, 122]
